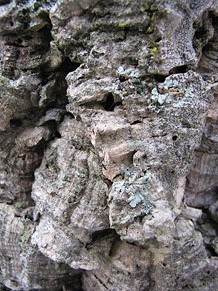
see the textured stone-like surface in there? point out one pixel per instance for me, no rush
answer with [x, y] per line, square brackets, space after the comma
[108, 145]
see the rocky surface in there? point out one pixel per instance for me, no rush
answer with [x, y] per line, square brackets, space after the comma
[108, 145]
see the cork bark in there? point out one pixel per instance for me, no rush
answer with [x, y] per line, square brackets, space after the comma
[108, 145]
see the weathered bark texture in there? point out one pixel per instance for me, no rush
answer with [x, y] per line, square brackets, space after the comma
[109, 145]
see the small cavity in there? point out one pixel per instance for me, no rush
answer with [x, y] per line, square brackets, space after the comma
[159, 78]
[122, 79]
[57, 134]
[78, 118]
[180, 69]
[136, 122]
[68, 66]
[158, 39]
[24, 11]
[15, 122]
[4, 2]
[109, 103]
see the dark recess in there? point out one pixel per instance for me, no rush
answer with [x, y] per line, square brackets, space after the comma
[174, 137]
[136, 122]
[180, 69]
[59, 95]
[103, 233]
[68, 66]
[109, 104]
[159, 78]
[214, 19]
[15, 122]
[3, 2]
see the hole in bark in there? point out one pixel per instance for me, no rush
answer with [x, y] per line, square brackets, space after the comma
[15, 122]
[19, 40]
[140, 218]
[159, 78]
[78, 118]
[109, 104]
[174, 137]
[11, 23]
[103, 233]
[158, 39]
[122, 79]
[3, 2]
[28, 216]
[136, 122]
[180, 69]
[24, 11]
[68, 66]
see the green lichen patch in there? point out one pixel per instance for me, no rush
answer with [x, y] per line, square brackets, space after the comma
[131, 198]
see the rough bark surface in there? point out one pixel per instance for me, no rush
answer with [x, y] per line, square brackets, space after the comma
[108, 145]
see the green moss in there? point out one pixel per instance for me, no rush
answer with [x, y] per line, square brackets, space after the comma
[152, 18]
[122, 24]
[150, 29]
[154, 50]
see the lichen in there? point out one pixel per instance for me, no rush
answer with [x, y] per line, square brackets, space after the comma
[154, 50]
[128, 72]
[137, 190]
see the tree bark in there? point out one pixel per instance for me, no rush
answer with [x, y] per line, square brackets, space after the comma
[108, 145]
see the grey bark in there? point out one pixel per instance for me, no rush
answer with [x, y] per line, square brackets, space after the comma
[108, 145]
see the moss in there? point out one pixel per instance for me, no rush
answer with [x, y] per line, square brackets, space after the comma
[154, 50]
[150, 29]
[122, 24]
